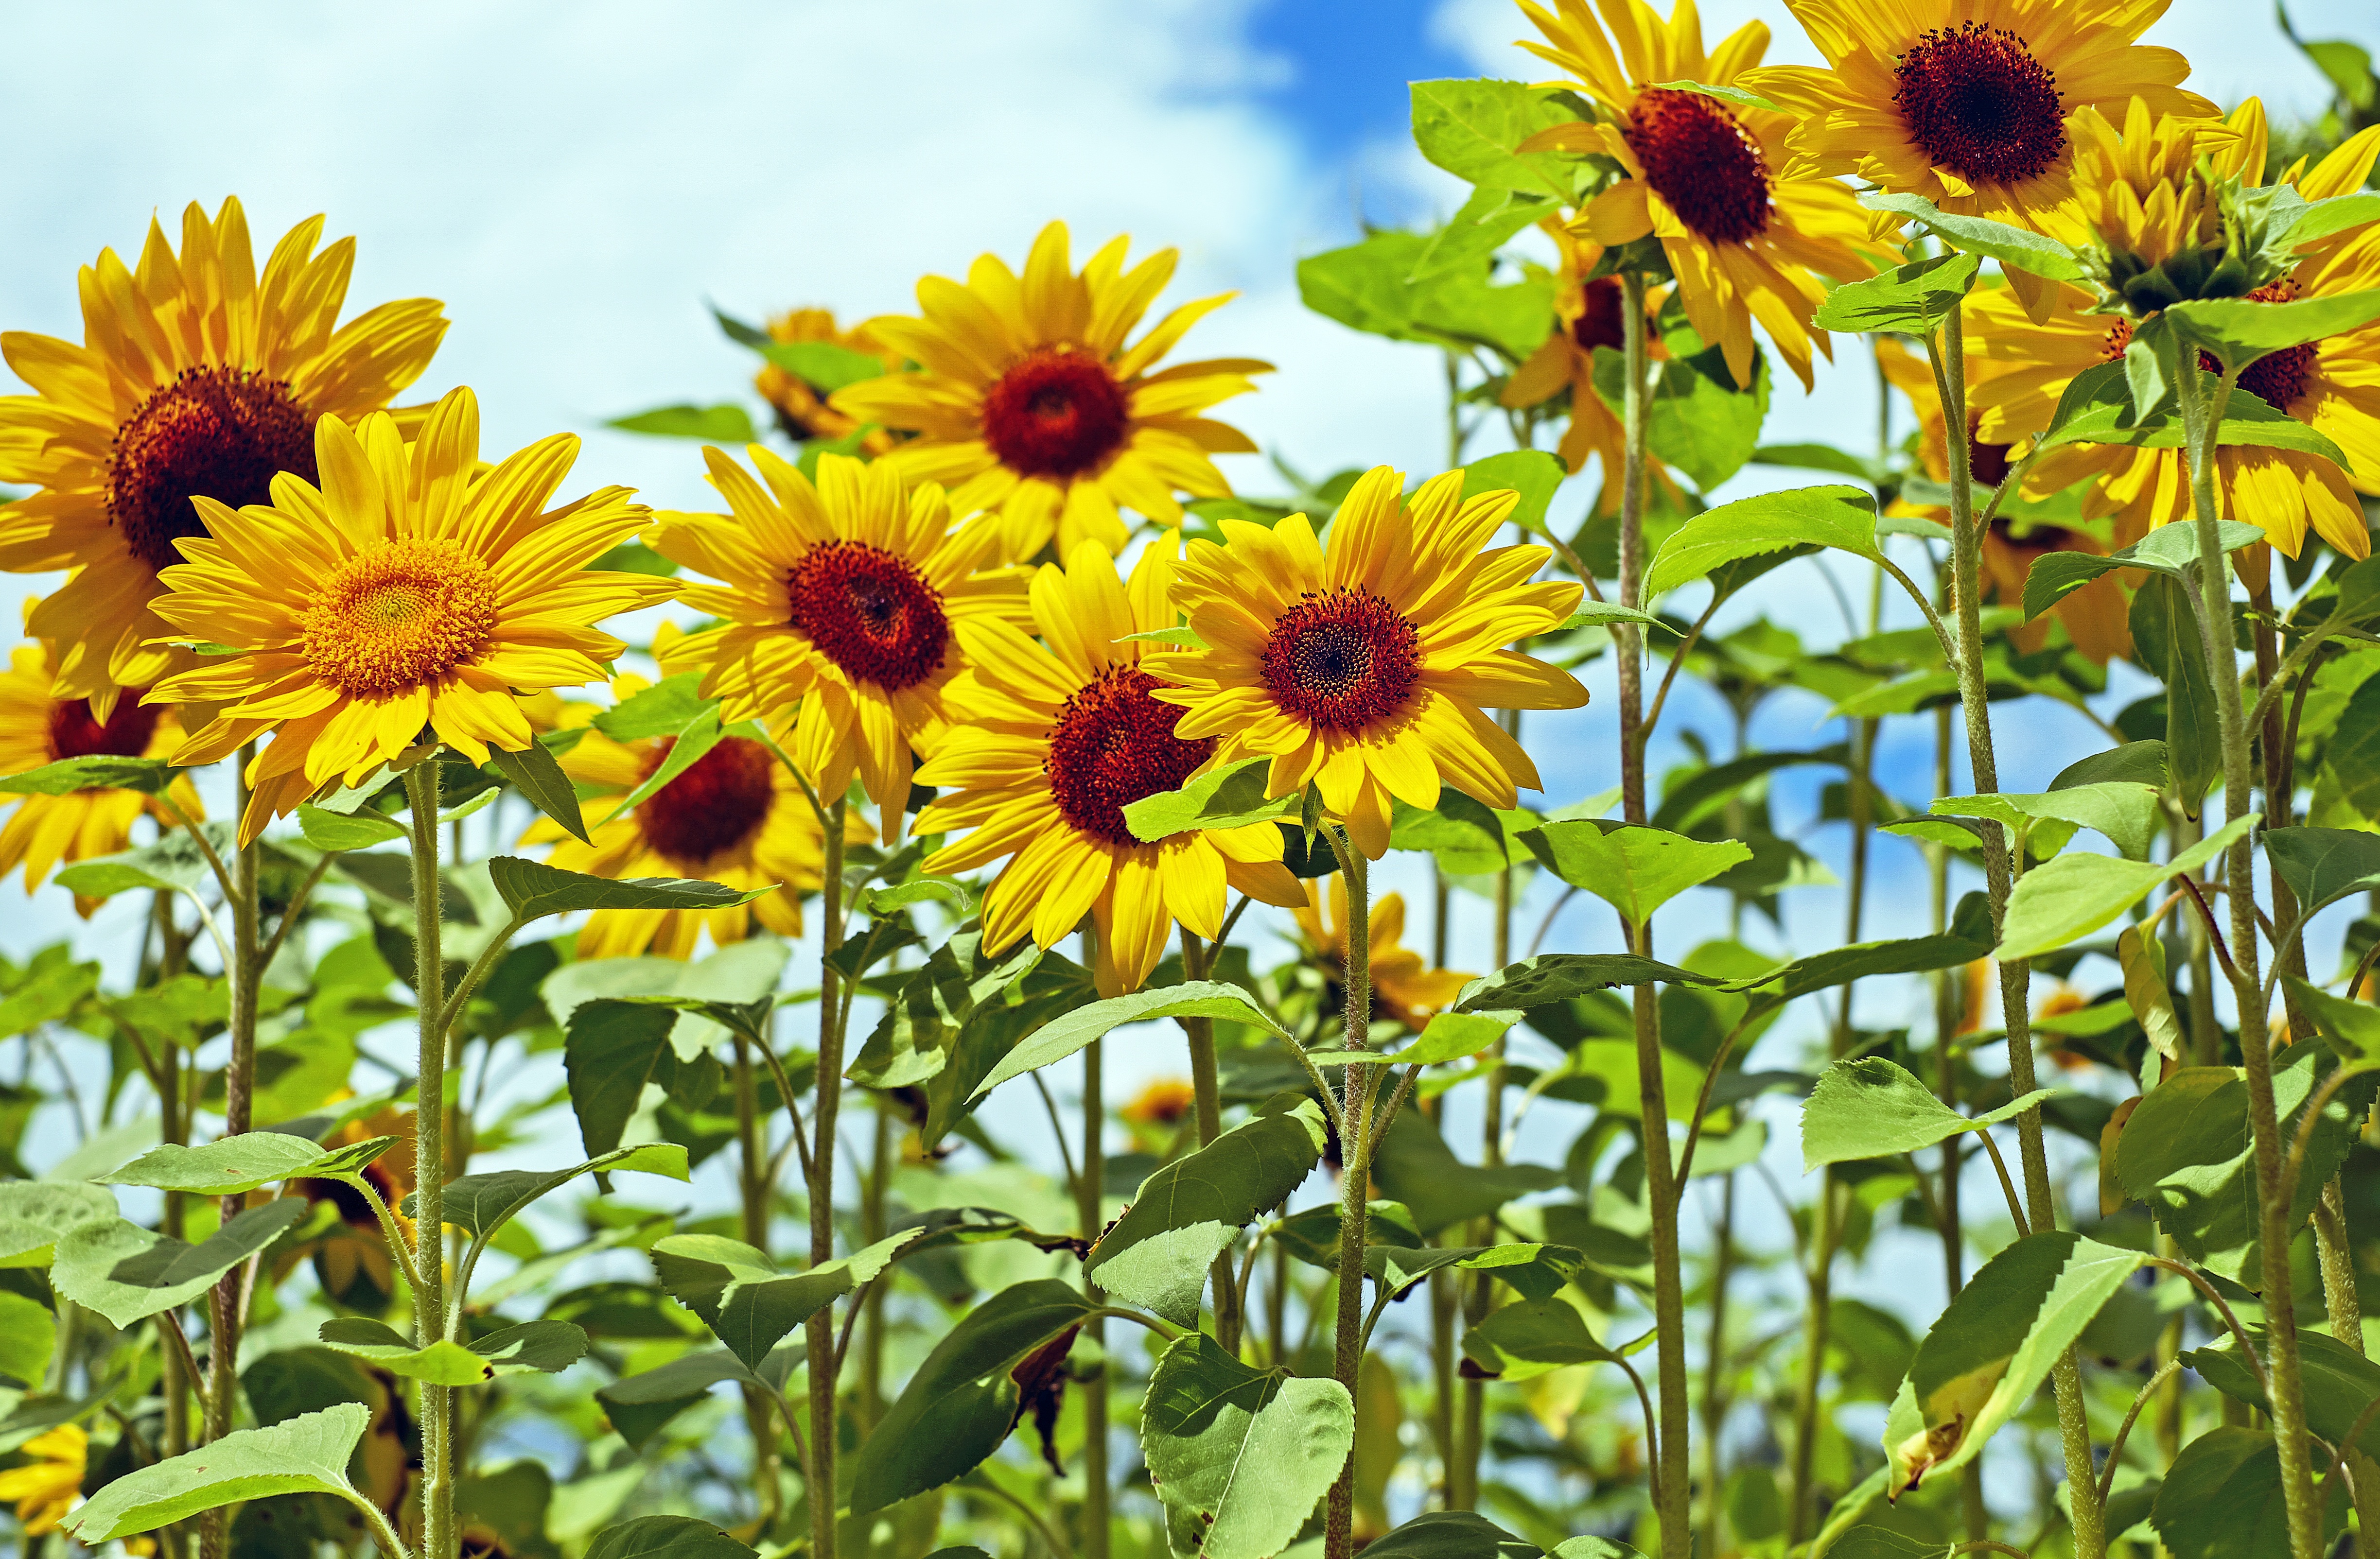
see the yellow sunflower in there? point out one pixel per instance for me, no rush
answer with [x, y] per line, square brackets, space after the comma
[39, 726]
[1589, 316]
[1031, 404]
[802, 412]
[843, 597]
[1055, 743]
[49, 1484]
[2098, 616]
[734, 815]
[1361, 668]
[411, 593]
[1965, 102]
[196, 379]
[1742, 238]
[1405, 989]
[2332, 384]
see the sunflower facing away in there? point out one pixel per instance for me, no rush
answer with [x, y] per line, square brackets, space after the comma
[1055, 743]
[49, 1484]
[1703, 176]
[734, 816]
[1362, 667]
[2332, 384]
[39, 726]
[1405, 989]
[196, 379]
[1031, 404]
[802, 412]
[409, 593]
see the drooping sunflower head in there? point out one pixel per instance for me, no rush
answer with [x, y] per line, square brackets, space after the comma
[197, 378]
[1363, 667]
[1032, 403]
[2160, 202]
[802, 412]
[401, 602]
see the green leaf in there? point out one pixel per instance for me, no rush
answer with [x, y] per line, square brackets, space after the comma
[1239, 1456]
[173, 863]
[1551, 977]
[1473, 130]
[99, 771]
[2322, 218]
[34, 1215]
[2018, 247]
[125, 1272]
[961, 1403]
[666, 1537]
[1633, 867]
[232, 1165]
[2167, 550]
[641, 1405]
[1414, 1165]
[2165, 640]
[2351, 762]
[1193, 998]
[533, 889]
[1228, 797]
[2322, 865]
[1533, 1337]
[543, 1347]
[1735, 95]
[1451, 1534]
[2130, 814]
[1469, 838]
[1486, 221]
[725, 423]
[1697, 420]
[1538, 1270]
[666, 709]
[2339, 1382]
[1968, 938]
[611, 1050]
[1157, 1253]
[1911, 299]
[482, 1203]
[1369, 286]
[1534, 474]
[914, 1041]
[822, 365]
[2351, 1027]
[1312, 1236]
[2066, 900]
[357, 830]
[2238, 331]
[748, 1301]
[1840, 518]
[1819, 457]
[1873, 1108]
[306, 1455]
[535, 773]
[2221, 1498]
[1602, 614]
[1703, 794]
[1989, 1351]
[2142, 763]
[28, 1333]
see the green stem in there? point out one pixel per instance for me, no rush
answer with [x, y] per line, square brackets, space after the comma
[1356, 1143]
[872, 1228]
[430, 1322]
[1715, 1371]
[225, 1302]
[2201, 424]
[832, 1011]
[1089, 1197]
[1820, 1279]
[750, 1168]
[1197, 959]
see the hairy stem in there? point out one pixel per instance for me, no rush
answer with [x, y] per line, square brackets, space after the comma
[1089, 1194]
[833, 1010]
[430, 1318]
[1355, 1146]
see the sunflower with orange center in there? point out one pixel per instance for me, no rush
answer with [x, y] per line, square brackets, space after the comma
[734, 815]
[1589, 315]
[404, 600]
[1361, 668]
[196, 379]
[1056, 742]
[2096, 616]
[2333, 384]
[844, 597]
[1033, 405]
[1703, 176]
[802, 412]
[39, 726]
[1405, 989]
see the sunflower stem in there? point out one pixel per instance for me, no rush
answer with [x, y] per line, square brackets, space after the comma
[751, 1169]
[2202, 425]
[429, 1319]
[1355, 1157]
[225, 1309]
[1197, 961]
[833, 1014]
[1090, 1196]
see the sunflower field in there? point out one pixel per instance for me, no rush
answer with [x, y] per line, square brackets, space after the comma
[916, 1012]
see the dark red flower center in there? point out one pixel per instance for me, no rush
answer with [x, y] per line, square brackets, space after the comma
[125, 734]
[870, 612]
[1700, 161]
[2040, 539]
[718, 804]
[1341, 659]
[1978, 104]
[1988, 464]
[2277, 378]
[1599, 322]
[1058, 413]
[1113, 745]
[214, 432]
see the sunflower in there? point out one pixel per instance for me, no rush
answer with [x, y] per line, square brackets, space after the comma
[1405, 989]
[49, 1484]
[1361, 668]
[1056, 742]
[1163, 1101]
[1031, 404]
[352, 1260]
[411, 592]
[1965, 102]
[1742, 238]
[2098, 616]
[1589, 314]
[734, 815]
[2332, 385]
[843, 596]
[801, 412]
[39, 726]
[196, 380]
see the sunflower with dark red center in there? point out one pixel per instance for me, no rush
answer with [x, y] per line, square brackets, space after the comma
[1965, 102]
[39, 725]
[844, 598]
[1361, 668]
[734, 815]
[1032, 405]
[1743, 234]
[802, 412]
[2332, 385]
[404, 601]
[1405, 989]
[197, 378]
[1055, 742]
